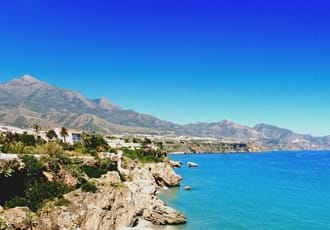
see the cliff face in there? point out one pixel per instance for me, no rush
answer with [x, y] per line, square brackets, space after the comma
[116, 205]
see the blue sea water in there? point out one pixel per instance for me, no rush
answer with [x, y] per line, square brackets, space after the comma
[275, 190]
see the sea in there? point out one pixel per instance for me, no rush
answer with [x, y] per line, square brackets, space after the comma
[254, 191]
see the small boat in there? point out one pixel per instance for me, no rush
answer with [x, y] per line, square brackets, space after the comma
[192, 165]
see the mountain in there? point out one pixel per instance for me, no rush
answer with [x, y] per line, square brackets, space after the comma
[290, 140]
[27, 101]
[224, 129]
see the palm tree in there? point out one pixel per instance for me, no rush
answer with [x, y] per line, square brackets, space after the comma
[64, 133]
[36, 129]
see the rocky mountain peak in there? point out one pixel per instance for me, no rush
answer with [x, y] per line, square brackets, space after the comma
[24, 81]
[105, 103]
[29, 78]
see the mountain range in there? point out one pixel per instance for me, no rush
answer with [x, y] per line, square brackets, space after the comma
[27, 101]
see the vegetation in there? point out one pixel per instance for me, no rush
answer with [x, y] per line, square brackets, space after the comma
[101, 167]
[26, 139]
[144, 155]
[62, 202]
[64, 133]
[38, 189]
[93, 141]
[57, 157]
[14, 147]
[89, 186]
[51, 134]
[36, 128]
[50, 148]
[8, 167]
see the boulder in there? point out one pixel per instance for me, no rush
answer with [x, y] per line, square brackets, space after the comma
[175, 164]
[110, 178]
[192, 165]
[159, 214]
[164, 175]
[19, 218]
[187, 188]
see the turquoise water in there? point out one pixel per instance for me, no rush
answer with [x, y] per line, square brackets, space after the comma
[277, 190]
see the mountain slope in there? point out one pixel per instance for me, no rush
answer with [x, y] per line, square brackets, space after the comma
[26, 101]
[290, 140]
[55, 106]
[225, 129]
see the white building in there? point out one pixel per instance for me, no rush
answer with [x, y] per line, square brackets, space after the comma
[4, 129]
[72, 138]
[119, 143]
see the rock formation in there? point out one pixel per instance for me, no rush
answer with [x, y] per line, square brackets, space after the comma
[132, 204]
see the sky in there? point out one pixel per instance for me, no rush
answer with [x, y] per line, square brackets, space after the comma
[180, 60]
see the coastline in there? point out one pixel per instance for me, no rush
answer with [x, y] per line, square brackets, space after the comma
[246, 152]
[132, 204]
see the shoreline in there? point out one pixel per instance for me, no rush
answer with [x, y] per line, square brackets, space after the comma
[129, 204]
[254, 152]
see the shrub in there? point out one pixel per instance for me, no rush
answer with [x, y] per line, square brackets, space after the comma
[38, 190]
[144, 155]
[51, 134]
[33, 166]
[50, 148]
[37, 193]
[80, 148]
[14, 147]
[93, 171]
[62, 202]
[7, 168]
[67, 147]
[89, 187]
[95, 141]
[28, 140]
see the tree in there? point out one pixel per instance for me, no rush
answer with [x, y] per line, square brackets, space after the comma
[93, 141]
[64, 133]
[36, 128]
[51, 134]
[28, 140]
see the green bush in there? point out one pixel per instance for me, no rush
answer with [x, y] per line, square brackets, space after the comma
[37, 193]
[89, 187]
[95, 141]
[14, 147]
[33, 167]
[38, 190]
[50, 148]
[28, 140]
[7, 168]
[144, 155]
[93, 171]
[62, 202]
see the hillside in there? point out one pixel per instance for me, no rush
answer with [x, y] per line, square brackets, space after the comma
[27, 101]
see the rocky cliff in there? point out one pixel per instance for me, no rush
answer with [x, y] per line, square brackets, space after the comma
[132, 204]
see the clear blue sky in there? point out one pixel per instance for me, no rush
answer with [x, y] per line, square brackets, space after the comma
[181, 60]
